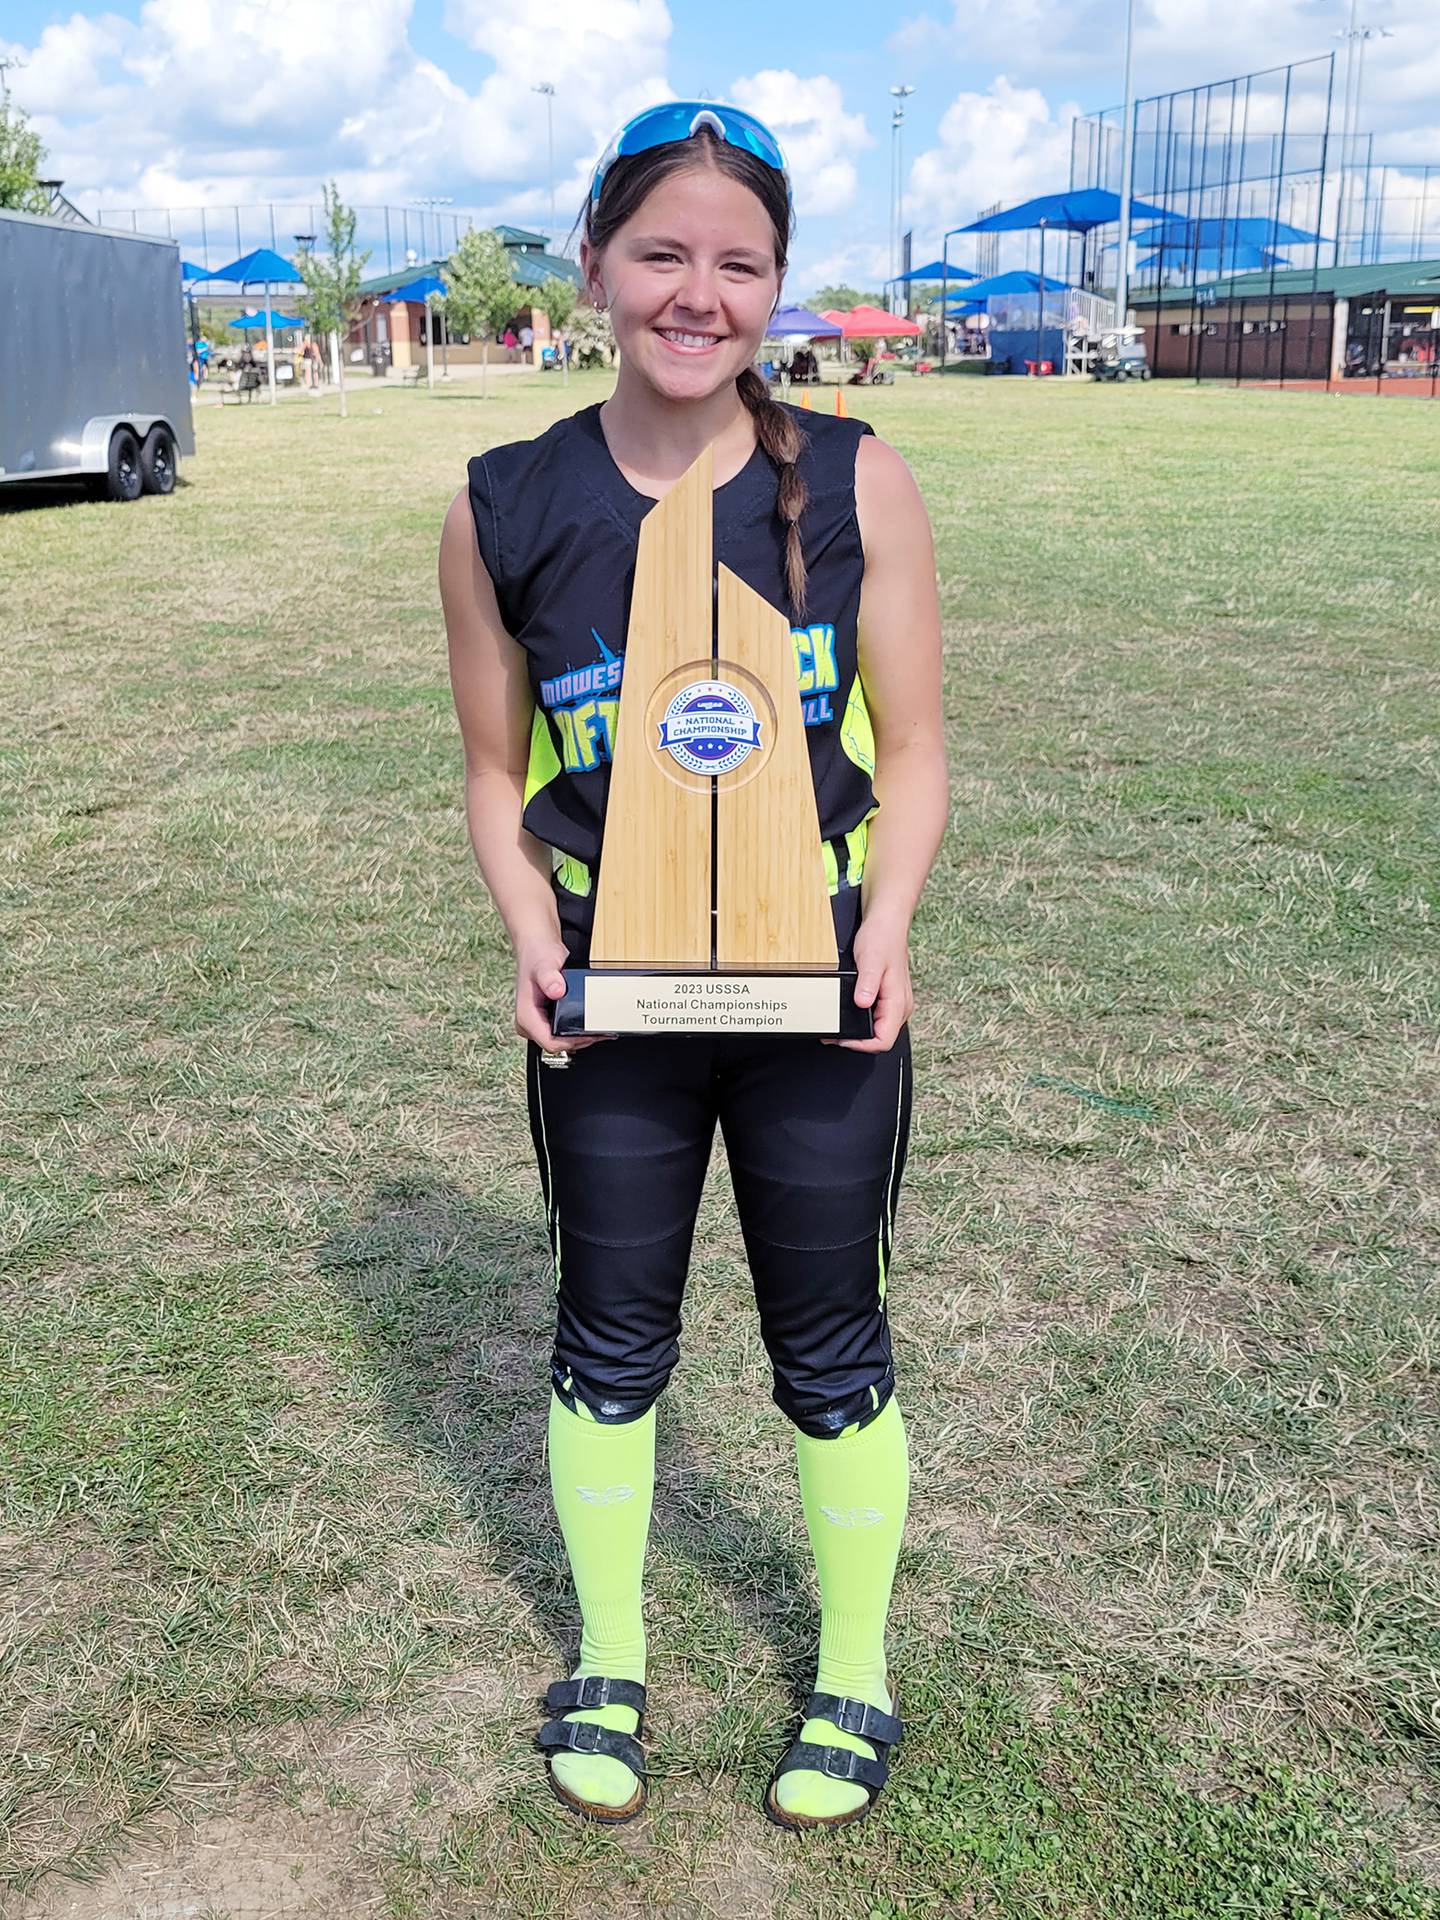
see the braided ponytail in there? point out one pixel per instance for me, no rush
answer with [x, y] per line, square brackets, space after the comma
[780, 435]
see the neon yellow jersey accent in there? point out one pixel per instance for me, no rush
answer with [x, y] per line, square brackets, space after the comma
[857, 845]
[832, 868]
[572, 874]
[544, 760]
[857, 736]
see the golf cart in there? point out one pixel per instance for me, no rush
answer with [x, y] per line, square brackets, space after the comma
[1122, 355]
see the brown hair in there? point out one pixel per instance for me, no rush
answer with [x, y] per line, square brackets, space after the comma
[628, 181]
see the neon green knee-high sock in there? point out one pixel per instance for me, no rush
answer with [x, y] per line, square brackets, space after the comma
[855, 1489]
[602, 1478]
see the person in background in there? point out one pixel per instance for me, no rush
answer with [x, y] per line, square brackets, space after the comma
[527, 340]
[510, 343]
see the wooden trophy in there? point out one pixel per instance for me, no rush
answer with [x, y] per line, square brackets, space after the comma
[712, 912]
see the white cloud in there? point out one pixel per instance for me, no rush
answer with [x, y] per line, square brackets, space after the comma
[818, 137]
[1182, 43]
[197, 101]
[64, 66]
[1001, 145]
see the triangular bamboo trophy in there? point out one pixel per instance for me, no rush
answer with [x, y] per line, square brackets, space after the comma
[712, 912]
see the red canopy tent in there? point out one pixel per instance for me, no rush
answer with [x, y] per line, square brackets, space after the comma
[871, 323]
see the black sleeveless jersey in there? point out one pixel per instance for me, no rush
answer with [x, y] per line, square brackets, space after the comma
[558, 525]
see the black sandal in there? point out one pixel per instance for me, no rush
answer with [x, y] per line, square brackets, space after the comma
[882, 1730]
[584, 1736]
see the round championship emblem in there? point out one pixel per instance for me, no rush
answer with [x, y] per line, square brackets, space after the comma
[709, 727]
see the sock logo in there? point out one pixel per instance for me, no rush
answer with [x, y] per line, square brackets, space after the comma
[853, 1516]
[606, 1496]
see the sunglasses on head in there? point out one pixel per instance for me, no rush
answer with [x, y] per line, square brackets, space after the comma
[679, 120]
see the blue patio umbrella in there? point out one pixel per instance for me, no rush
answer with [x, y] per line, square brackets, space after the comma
[263, 264]
[262, 267]
[258, 322]
[429, 286]
[935, 270]
[1020, 281]
[189, 271]
[1079, 211]
[1214, 232]
[786, 321]
[1212, 260]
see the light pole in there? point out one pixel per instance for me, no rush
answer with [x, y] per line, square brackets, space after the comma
[1127, 146]
[1366, 33]
[897, 197]
[1347, 128]
[549, 93]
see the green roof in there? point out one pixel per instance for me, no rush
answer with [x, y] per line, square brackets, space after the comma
[1388, 277]
[528, 268]
[388, 282]
[531, 268]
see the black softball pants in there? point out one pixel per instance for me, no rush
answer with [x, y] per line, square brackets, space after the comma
[816, 1138]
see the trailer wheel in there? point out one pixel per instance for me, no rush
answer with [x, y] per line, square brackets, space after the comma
[157, 461]
[123, 479]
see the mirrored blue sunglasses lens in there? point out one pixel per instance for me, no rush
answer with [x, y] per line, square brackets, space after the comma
[673, 121]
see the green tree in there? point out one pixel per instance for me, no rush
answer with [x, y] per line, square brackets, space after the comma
[842, 299]
[556, 300]
[332, 280]
[479, 290]
[21, 158]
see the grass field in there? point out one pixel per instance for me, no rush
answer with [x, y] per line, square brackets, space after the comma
[280, 1576]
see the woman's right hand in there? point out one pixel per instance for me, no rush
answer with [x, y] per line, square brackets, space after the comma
[538, 984]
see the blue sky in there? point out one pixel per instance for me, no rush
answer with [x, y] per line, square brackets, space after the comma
[397, 98]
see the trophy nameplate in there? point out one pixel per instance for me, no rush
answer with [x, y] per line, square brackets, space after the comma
[712, 912]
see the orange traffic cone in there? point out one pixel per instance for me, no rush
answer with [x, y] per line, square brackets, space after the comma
[842, 412]
[805, 401]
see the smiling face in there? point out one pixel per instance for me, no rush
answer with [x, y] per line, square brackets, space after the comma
[690, 281]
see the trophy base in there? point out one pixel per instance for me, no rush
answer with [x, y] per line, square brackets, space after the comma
[641, 1000]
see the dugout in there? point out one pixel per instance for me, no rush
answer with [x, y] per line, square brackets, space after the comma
[1303, 325]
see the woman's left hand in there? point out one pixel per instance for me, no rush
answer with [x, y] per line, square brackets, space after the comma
[882, 965]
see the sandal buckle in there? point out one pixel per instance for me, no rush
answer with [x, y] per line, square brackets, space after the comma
[594, 1691]
[851, 1717]
[839, 1763]
[584, 1735]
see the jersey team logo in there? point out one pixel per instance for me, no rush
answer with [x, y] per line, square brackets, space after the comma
[710, 727]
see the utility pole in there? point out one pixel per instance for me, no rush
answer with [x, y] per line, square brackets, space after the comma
[549, 93]
[897, 164]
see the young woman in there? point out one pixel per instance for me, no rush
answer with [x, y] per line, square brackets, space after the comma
[685, 241]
